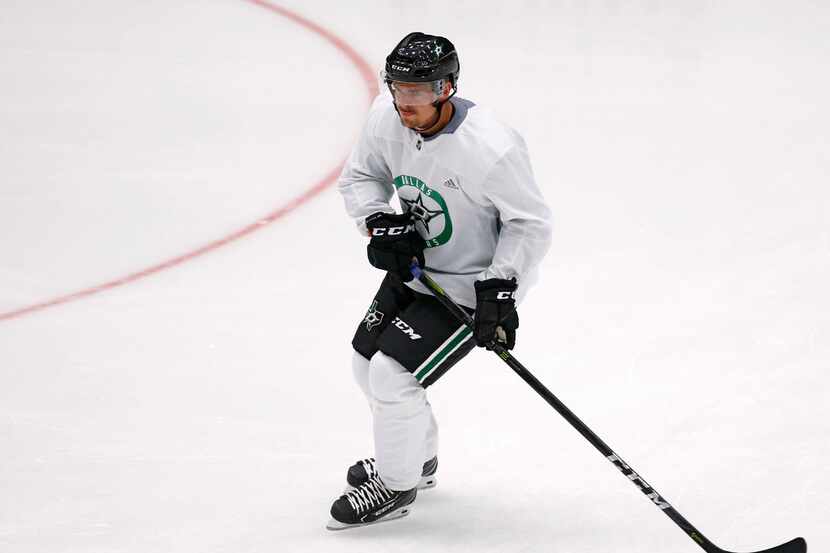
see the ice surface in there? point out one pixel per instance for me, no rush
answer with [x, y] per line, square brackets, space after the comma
[684, 311]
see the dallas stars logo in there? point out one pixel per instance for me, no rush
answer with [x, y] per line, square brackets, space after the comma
[373, 316]
[420, 211]
[428, 207]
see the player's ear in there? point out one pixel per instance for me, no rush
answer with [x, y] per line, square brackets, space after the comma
[447, 89]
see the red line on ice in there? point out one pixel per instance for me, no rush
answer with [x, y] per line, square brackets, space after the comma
[365, 71]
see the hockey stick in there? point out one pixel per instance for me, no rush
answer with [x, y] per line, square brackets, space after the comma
[798, 545]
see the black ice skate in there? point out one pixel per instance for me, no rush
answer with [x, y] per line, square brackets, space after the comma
[370, 503]
[364, 469]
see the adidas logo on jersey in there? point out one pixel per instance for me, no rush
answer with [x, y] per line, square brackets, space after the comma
[449, 183]
[406, 329]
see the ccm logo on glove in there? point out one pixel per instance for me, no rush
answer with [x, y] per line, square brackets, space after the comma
[496, 318]
[395, 243]
[391, 231]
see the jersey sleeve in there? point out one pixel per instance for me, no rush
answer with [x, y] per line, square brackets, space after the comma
[366, 181]
[524, 216]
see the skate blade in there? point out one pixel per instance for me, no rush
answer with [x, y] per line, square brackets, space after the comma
[400, 512]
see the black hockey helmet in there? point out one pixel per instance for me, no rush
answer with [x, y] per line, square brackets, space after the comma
[421, 58]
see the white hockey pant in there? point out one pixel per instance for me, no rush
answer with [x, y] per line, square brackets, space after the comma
[405, 430]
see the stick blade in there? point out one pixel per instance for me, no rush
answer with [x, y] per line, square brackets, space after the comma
[798, 545]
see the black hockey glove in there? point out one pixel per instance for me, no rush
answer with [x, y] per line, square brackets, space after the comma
[496, 317]
[394, 243]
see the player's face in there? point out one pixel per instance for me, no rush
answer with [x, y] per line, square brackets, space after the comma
[415, 103]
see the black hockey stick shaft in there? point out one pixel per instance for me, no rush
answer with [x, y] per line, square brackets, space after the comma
[798, 545]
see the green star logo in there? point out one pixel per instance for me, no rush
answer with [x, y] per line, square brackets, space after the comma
[420, 211]
[428, 207]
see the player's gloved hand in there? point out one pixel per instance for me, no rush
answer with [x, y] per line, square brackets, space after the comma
[495, 316]
[394, 243]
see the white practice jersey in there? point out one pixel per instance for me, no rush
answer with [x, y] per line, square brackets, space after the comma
[470, 187]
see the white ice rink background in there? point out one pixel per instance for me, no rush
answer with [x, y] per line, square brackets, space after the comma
[683, 310]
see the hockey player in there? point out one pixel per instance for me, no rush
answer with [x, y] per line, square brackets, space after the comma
[473, 217]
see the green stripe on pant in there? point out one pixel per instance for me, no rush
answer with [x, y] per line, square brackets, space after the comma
[452, 343]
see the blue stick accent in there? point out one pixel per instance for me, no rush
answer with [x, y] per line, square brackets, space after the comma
[415, 269]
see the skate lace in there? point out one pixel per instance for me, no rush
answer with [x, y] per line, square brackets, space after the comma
[370, 494]
[369, 467]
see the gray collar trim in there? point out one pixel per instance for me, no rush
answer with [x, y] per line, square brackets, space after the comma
[461, 106]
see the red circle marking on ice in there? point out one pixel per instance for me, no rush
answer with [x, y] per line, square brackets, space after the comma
[368, 76]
